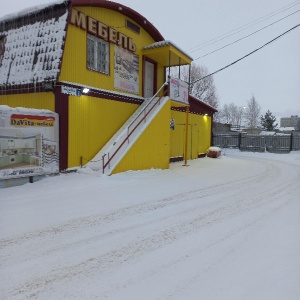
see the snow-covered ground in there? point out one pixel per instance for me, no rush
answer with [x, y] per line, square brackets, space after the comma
[225, 228]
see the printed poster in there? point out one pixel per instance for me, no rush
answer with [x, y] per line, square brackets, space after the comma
[28, 142]
[126, 76]
[179, 91]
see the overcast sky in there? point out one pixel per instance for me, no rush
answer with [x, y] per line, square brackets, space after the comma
[271, 74]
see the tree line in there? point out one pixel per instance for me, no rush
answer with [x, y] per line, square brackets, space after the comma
[248, 116]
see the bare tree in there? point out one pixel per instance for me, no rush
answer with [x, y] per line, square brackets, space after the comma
[205, 89]
[226, 114]
[231, 114]
[252, 114]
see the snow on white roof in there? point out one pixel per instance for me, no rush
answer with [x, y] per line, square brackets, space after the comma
[5, 108]
[32, 52]
[30, 10]
[267, 132]
[286, 128]
[166, 43]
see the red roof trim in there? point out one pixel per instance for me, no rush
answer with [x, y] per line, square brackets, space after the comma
[32, 117]
[125, 10]
[197, 107]
[201, 104]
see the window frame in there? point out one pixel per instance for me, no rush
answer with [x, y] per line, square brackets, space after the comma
[2, 46]
[95, 64]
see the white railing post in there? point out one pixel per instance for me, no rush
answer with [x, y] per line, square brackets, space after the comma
[129, 132]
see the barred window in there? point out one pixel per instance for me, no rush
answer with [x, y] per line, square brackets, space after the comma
[97, 55]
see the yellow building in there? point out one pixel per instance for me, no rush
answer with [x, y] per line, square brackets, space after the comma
[104, 69]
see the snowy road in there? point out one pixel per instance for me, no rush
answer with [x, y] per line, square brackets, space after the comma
[223, 228]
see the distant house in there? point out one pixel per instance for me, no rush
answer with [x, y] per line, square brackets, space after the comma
[285, 130]
[221, 128]
[291, 121]
[101, 66]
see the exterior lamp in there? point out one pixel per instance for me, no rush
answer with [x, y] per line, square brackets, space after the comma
[85, 90]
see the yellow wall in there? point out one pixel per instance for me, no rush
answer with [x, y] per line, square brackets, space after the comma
[92, 122]
[37, 100]
[152, 148]
[204, 134]
[74, 66]
[198, 134]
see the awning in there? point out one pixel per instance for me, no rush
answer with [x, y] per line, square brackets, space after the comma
[167, 54]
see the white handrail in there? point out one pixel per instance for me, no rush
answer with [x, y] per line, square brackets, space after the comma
[153, 97]
[109, 157]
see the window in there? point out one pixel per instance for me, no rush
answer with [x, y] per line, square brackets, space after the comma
[97, 55]
[2, 46]
[133, 27]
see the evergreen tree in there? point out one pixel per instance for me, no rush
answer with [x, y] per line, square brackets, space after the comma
[268, 121]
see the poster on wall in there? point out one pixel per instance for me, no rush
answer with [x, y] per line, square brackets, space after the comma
[179, 90]
[126, 76]
[28, 142]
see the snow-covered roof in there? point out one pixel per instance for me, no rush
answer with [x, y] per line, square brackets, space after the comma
[286, 128]
[166, 43]
[6, 108]
[264, 132]
[202, 103]
[33, 47]
[29, 10]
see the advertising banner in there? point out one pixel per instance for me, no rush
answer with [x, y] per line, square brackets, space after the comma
[179, 91]
[126, 76]
[28, 142]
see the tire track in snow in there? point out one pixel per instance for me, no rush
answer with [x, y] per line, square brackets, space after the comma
[34, 286]
[45, 239]
[99, 219]
[133, 250]
[230, 250]
[242, 231]
[131, 211]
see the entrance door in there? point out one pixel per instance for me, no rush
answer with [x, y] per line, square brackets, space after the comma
[149, 69]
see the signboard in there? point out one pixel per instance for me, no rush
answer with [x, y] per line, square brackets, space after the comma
[29, 120]
[126, 76]
[28, 142]
[71, 91]
[179, 91]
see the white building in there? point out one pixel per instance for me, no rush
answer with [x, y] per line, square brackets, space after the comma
[291, 121]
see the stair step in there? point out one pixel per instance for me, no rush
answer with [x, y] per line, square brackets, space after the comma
[120, 138]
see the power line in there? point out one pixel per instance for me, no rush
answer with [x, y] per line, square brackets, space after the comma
[246, 36]
[279, 36]
[234, 31]
[225, 35]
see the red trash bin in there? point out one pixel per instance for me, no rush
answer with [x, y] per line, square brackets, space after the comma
[213, 152]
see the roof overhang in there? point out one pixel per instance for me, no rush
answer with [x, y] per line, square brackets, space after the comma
[167, 54]
[196, 106]
[128, 12]
[178, 104]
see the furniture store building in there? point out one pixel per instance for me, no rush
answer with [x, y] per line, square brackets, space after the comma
[95, 72]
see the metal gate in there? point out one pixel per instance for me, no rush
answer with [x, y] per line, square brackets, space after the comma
[259, 143]
[226, 140]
